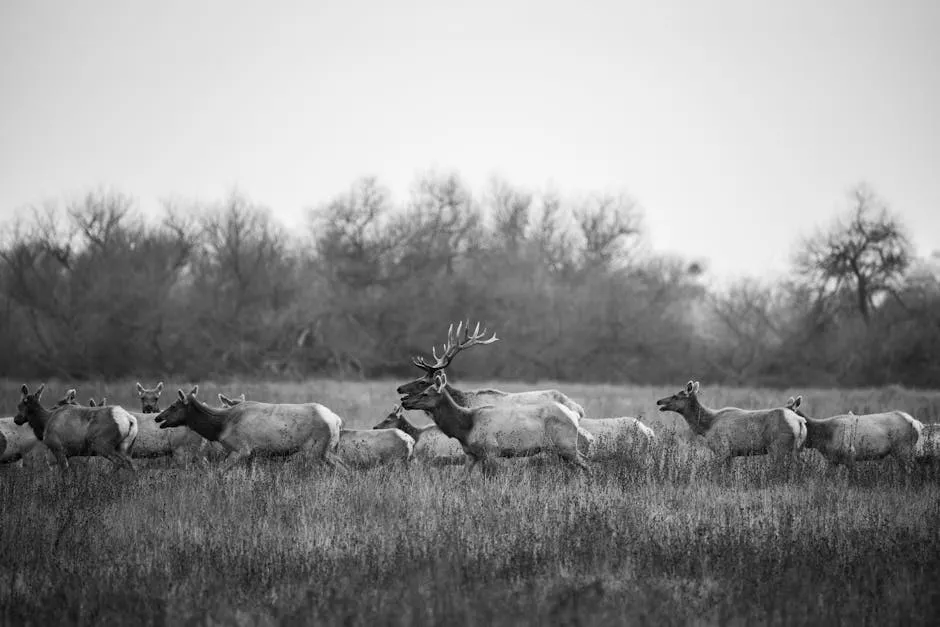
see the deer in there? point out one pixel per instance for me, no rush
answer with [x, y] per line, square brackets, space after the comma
[75, 431]
[848, 438]
[251, 428]
[733, 432]
[462, 338]
[508, 430]
[431, 445]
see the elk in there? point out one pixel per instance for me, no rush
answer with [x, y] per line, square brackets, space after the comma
[75, 431]
[733, 432]
[847, 438]
[431, 445]
[252, 428]
[361, 447]
[476, 398]
[487, 396]
[16, 441]
[149, 399]
[506, 430]
[182, 445]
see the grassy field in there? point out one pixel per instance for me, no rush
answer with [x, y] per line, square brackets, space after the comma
[659, 541]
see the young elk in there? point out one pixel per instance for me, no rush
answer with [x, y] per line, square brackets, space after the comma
[847, 438]
[431, 445]
[733, 432]
[75, 431]
[251, 428]
[501, 430]
[149, 399]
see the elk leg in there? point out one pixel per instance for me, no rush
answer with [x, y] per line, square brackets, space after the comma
[233, 458]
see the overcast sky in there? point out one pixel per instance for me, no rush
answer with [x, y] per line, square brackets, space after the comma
[737, 125]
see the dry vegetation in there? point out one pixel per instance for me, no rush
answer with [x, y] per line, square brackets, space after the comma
[663, 541]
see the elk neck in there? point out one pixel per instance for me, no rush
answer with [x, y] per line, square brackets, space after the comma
[454, 421]
[39, 419]
[699, 418]
[817, 430]
[457, 396]
[206, 421]
[407, 428]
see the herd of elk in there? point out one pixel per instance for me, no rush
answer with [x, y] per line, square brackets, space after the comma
[467, 426]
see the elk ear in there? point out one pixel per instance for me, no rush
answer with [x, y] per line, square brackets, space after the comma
[70, 395]
[24, 390]
[440, 380]
[194, 391]
[690, 387]
[92, 403]
[140, 389]
[181, 395]
[240, 398]
[38, 394]
[798, 400]
[159, 388]
[222, 399]
[790, 402]
[695, 388]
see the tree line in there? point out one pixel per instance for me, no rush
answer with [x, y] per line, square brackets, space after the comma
[97, 289]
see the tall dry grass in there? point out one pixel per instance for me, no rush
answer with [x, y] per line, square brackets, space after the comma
[664, 540]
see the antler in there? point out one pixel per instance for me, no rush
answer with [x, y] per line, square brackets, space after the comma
[454, 345]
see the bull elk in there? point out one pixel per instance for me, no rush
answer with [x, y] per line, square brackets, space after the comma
[505, 430]
[462, 338]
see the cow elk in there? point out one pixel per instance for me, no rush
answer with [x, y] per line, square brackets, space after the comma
[252, 428]
[733, 432]
[75, 431]
[849, 438]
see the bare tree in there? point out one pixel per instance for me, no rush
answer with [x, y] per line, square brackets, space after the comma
[608, 224]
[866, 252]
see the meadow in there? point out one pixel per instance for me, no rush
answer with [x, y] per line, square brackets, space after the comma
[663, 540]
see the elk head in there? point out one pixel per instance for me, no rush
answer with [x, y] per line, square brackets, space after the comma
[430, 397]
[28, 404]
[679, 401]
[175, 415]
[149, 399]
[393, 419]
[455, 344]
